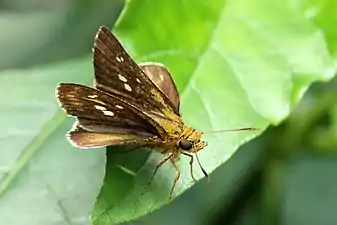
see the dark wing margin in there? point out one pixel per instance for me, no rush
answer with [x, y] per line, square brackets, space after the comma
[106, 116]
[118, 74]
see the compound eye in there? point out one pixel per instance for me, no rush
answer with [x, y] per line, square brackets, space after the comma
[185, 144]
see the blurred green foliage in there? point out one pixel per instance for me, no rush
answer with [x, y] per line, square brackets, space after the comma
[276, 50]
[36, 32]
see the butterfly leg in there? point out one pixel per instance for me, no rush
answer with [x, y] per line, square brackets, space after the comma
[155, 171]
[191, 164]
[176, 178]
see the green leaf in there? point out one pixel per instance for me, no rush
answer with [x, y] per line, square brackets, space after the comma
[322, 13]
[236, 64]
[43, 180]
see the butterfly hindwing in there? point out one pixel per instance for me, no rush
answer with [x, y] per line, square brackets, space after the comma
[82, 138]
[162, 78]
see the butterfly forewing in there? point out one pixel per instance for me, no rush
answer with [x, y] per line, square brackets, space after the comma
[117, 74]
[129, 127]
[98, 112]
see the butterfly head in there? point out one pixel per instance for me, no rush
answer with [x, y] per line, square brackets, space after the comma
[192, 143]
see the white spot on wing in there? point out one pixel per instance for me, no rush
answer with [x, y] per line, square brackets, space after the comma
[119, 59]
[137, 79]
[161, 76]
[127, 87]
[92, 96]
[98, 107]
[120, 107]
[108, 113]
[122, 78]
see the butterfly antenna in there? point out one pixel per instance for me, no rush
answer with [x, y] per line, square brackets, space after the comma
[202, 169]
[239, 129]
